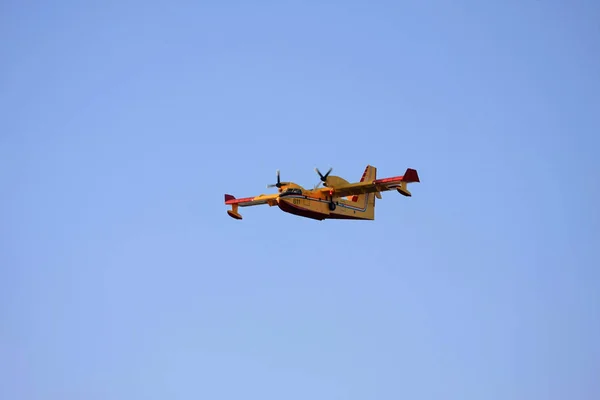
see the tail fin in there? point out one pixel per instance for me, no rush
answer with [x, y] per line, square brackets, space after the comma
[410, 176]
[367, 200]
[369, 175]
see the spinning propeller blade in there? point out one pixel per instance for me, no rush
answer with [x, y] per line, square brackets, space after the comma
[279, 183]
[323, 177]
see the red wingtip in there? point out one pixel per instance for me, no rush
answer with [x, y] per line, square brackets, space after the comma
[411, 176]
[229, 197]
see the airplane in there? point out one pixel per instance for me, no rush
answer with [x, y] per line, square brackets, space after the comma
[337, 199]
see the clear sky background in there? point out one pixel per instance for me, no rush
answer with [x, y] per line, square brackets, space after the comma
[123, 124]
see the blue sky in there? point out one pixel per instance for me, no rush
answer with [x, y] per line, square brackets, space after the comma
[121, 275]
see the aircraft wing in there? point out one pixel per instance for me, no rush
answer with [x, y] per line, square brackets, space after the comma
[252, 201]
[376, 186]
[270, 199]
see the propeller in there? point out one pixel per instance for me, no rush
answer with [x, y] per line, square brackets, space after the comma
[323, 177]
[279, 184]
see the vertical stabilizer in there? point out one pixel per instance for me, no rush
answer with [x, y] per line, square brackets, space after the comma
[369, 175]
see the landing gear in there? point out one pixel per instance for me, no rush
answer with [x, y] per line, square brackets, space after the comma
[331, 205]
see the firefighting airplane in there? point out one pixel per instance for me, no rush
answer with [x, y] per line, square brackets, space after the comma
[338, 199]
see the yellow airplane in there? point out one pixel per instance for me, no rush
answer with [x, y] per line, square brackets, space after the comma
[338, 199]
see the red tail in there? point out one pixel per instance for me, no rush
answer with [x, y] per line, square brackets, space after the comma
[410, 176]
